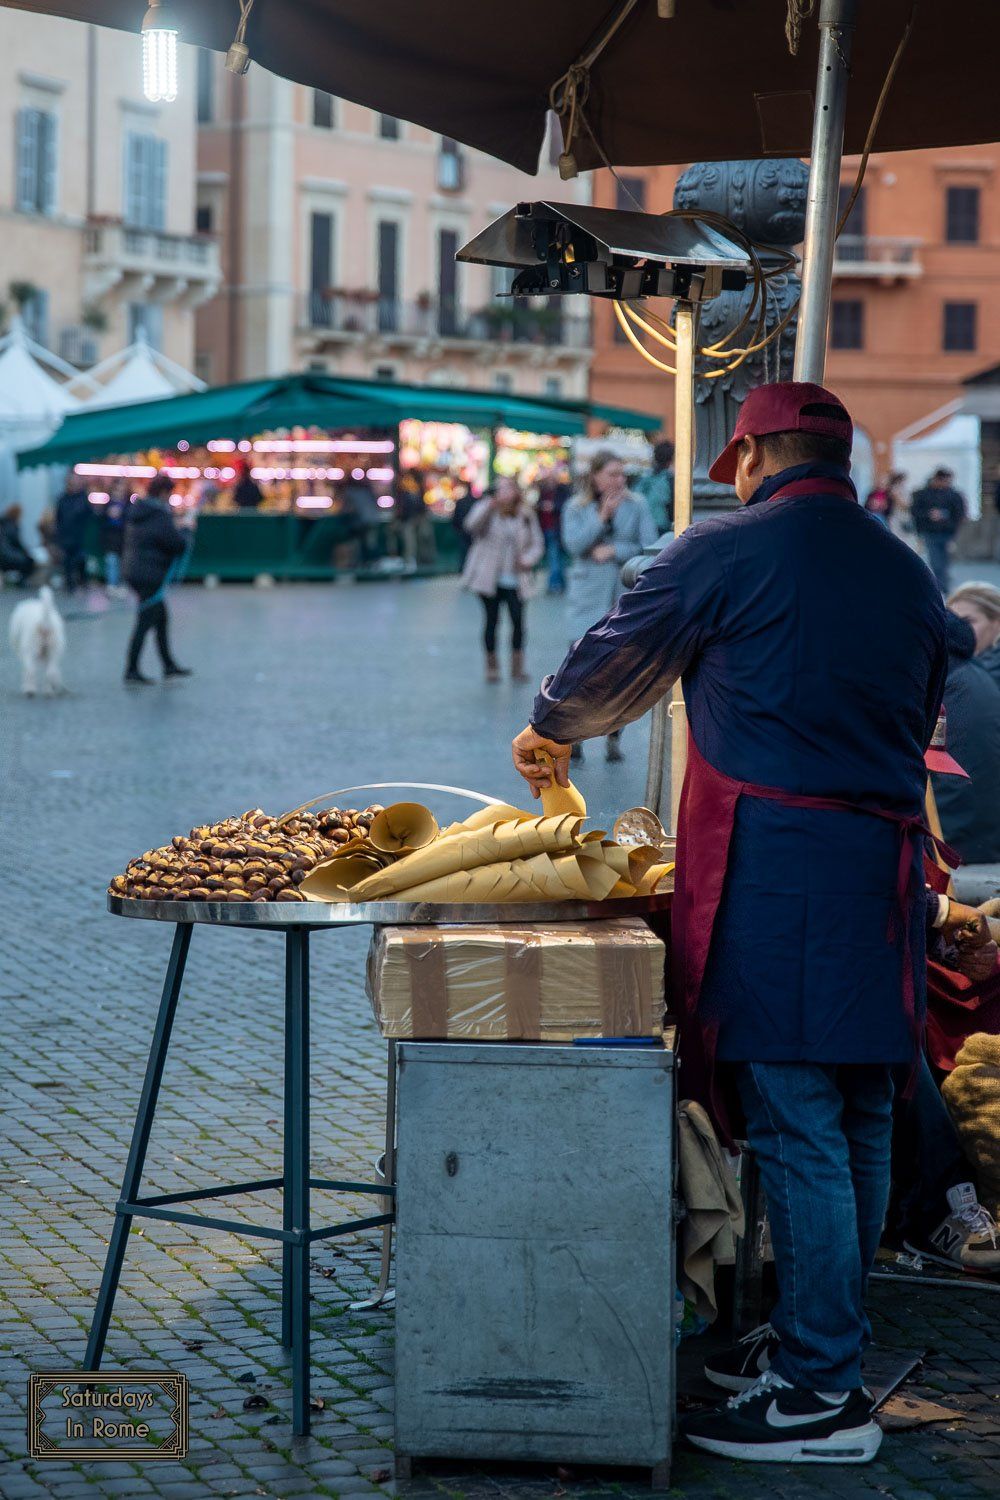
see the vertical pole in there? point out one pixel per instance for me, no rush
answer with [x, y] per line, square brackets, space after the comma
[298, 1077]
[684, 326]
[288, 1159]
[140, 1141]
[836, 29]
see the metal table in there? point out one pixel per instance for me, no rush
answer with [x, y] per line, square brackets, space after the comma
[296, 920]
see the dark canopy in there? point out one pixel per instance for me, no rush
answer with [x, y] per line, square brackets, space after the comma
[714, 82]
[309, 400]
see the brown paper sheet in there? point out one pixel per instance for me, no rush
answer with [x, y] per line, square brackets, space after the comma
[558, 799]
[403, 827]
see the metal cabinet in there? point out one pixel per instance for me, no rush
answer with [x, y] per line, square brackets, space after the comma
[535, 1253]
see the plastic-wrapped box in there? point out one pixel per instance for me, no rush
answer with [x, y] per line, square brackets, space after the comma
[517, 983]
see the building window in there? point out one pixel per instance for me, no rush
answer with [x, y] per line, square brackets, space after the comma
[36, 161]
[851, 244]
[387, 275]
[553, 385]
[847, 324]
[960, 326]
[203, 365]
[630, 193]
[320, 269]
[451, 166]
[35, 316]
[145, 181]
[447, 282]
[388, 128]
[204, 219]
[962, 215]
[503, 381]
[205, 87]
[145, 320]
[323, 110]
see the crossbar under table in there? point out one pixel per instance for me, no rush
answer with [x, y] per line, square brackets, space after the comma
[297, 1233]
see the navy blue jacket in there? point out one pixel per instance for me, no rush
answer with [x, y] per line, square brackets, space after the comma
[811, 643]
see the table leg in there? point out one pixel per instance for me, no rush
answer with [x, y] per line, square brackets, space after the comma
[286, 1192]
[140, 1141]
[297, 1045]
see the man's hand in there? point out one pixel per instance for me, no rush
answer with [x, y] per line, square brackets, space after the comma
[527, 764]
[966, 927]
[977, 964]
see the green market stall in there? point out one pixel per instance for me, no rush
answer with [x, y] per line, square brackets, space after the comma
[300, 437]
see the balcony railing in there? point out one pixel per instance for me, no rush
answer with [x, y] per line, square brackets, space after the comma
[183, 265]
[505, 322]
[885, 256]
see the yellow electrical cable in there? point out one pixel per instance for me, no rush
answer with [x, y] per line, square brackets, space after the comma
[637, 343]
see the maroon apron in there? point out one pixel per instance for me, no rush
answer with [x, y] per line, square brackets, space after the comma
[705, 822]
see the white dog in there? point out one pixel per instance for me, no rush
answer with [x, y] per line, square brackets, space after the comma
[38, 635]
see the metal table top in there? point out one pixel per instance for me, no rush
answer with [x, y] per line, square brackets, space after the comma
[281, 915]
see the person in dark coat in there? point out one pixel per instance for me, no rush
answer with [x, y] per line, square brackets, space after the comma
[113, 517]
[14, 555]
[553, 493]
[979, 603]
[247, 493]
[73, 511]
[937, 511]
[153, 546]
[811, 645]
[463, 505]
[970, 809]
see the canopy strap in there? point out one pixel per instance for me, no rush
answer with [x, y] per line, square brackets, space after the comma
[799, 11]
[569, 93]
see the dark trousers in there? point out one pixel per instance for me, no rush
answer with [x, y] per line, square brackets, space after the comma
[515, 608]
[74, 566]
[151, 615]
[927, 1158]
[939, 560]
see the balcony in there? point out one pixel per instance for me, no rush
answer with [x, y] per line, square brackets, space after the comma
[148, 264]
[335, 317]
[878, 257]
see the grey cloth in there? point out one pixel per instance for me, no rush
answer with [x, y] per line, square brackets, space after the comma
[593, 587]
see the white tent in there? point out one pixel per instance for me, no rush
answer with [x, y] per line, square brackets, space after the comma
[36, 392]
[945, 439]
[138, 373]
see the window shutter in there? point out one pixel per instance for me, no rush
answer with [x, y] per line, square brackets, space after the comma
[321, 251]
[47, 162]
[27, 160]
[158, 217]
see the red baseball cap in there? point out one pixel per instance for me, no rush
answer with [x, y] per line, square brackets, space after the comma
[936, 757]
[782, 407]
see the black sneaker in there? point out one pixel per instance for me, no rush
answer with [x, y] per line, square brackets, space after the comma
[740, 1367]
[175, 671]
[576, 752]
[137, 677]
[613, 750]
[774, 1422]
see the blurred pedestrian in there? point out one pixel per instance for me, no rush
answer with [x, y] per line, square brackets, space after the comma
[938, 510]
[979, 604]
[366, 517]
[657, 487]
[969, 807]
[553, 493]
[409, 514]
[14, 555]
[153, 547]
[247, 493]
[113, 534]
[885, 500]
[73, 512]
[459, 516]
[603, 526]
[506, 545]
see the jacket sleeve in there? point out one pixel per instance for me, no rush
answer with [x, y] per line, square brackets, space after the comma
[631, 658]
[478, 519]
[582, 528]
[918, 509]
[625, 550]
[534, 548]
[171, 539]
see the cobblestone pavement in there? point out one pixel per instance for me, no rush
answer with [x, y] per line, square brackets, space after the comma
[297, 690]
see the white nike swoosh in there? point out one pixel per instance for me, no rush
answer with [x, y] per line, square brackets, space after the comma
[777, 1418]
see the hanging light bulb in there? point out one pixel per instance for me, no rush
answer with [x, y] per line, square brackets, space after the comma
[159, 54]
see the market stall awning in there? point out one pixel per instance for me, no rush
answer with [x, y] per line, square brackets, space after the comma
[714, 81]
[310, 400]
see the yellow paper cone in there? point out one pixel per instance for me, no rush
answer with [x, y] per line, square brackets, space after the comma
[335, 879]
[558, 799]
[403, 827]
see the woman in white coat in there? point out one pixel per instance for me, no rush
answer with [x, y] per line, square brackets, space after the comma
[507, 544]
[604, 525]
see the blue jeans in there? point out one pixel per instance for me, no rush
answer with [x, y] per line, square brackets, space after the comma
[112, 569]
[938, 560]
[554, 557]
[821, 1134]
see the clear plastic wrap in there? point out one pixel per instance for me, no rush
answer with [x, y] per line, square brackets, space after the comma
[517, 983]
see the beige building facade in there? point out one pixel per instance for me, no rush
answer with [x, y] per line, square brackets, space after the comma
[338, 229]
[97, 193]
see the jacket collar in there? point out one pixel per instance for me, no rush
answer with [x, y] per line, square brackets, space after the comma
[817, 471]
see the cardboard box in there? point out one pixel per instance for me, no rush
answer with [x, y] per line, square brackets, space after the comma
[517, 982]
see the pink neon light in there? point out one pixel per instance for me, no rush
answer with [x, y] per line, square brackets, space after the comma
[382, 476]
[221, 445]
[385, 502]
[314, 502]
[98, 497]
[322, 445]
[117, 471]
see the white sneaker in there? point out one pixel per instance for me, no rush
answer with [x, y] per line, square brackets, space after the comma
[968, 1239]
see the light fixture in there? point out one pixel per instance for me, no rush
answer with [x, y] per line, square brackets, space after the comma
[159, 54]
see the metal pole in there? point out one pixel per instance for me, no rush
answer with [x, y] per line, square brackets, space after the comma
[836, 27]
[684, 328]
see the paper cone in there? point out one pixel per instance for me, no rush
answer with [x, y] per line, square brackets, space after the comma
[336, 879]
[485, 817]
[558, 799]
[642, 857]
[466, 851]
[622, 889]
[403, 827]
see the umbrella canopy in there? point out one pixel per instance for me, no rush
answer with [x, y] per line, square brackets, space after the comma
[139, 373]
[716, 81]
[309, 400]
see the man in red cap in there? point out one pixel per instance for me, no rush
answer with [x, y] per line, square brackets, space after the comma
[811, 645]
